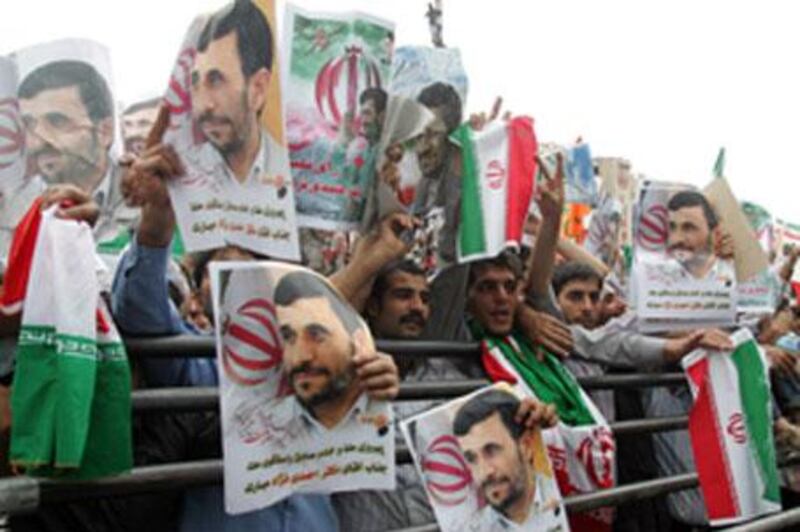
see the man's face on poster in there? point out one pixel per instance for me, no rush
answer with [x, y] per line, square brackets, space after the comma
[63, 143]
[225, 104]
[496, 462]
[689, 237]
[317, 350]
[135, 127]
[431, 145]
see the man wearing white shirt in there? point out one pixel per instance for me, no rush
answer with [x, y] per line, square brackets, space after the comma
[230, 78]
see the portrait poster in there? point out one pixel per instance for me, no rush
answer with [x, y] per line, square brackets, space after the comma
[226, 124]
[469, 490]
[65, 100]
[603, 239]
[762, 223]
[294, 417]
[678, 281]
[336, 103]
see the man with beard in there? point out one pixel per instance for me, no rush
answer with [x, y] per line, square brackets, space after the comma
[230, 78]
[490, 436]
[324, 346]
[67, 112]
[692, 223]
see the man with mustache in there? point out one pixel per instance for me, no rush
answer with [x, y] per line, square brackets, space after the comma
[692, 223]
[68, 114]
[489, 433]
[137, 120]
[325, 355]
[230, 78]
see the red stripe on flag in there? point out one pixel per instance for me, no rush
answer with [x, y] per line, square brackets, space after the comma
[522, 150]
[713, 469]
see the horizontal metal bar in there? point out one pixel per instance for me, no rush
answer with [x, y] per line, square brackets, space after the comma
[781, 521]
[204, 347]
[655, 424]
[630, 492]
[633, 380]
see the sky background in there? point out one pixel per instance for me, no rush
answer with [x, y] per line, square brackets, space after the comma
[663, 84]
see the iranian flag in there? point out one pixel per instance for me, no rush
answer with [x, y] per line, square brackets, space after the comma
[499, 165]
[730, 426]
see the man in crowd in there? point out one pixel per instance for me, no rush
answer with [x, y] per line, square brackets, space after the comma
[490, 437]
[141, 304]
[230, 80]
[137, 120]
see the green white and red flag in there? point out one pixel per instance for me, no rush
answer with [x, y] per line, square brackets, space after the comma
[499, 165]
[730, 425]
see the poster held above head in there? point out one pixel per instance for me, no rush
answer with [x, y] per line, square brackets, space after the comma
[336, 105]
[294, 416]
[224, 98]
[12, 156]
[678, 278]
[482, 469]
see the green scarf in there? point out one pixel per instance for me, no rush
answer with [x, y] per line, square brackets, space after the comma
[549, 379]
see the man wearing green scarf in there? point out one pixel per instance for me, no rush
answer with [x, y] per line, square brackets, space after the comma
[493, 300]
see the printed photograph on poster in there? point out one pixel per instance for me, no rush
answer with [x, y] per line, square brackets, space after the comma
[226, 124]
[482, 470]
[336, 105]
[66, 109]
[679, 277]
[294, 417]
[12, 157]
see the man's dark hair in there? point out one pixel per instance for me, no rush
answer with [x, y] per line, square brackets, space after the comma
[443, 95]
[381, 283]
[92, 87]
[146, 104]
[691, 198]
[303, 285]
[253, 35]
[378, 97]
[483, 406]
[506, 259]
[574, 271]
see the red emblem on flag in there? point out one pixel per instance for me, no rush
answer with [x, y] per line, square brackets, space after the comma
[447, 474]
[596, 452]
[12, 137]
[251, 349]
[736, 428]
[358, 73]
[653, 228]
[495, 174]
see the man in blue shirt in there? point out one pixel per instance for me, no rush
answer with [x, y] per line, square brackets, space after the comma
[141, 305]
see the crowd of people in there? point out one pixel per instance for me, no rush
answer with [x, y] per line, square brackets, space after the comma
[553, 309]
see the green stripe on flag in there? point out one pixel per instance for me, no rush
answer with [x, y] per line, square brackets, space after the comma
[719, 164]
[755, 399]
[471, 235]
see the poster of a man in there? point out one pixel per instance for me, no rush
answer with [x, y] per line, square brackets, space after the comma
[682, 273]
[292, 354]
[336, 104]
[236, 188]
[505, 480]
[66, 105]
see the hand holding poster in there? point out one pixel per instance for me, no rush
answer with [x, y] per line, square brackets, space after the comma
[483, 470]
[730, 425]
[336, 103]
[226, 125]
[294, 416]
[678, 280]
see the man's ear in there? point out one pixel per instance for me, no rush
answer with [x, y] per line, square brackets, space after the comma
[105, 132]
[259, 85]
